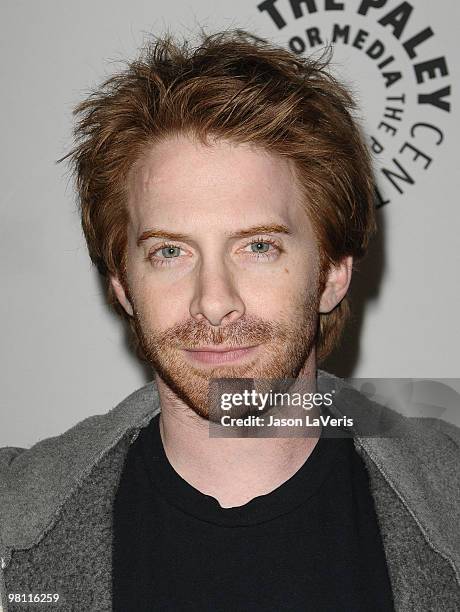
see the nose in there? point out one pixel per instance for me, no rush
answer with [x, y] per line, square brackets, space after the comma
[216, 298]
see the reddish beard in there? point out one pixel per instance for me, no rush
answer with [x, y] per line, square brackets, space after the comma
[285, 349]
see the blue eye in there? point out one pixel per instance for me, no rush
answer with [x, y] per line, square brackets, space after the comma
[169, 252]
[260, 247]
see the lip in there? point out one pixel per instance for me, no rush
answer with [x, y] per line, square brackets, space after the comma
[219, 354]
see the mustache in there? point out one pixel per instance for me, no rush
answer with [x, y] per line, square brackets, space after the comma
[193, 334]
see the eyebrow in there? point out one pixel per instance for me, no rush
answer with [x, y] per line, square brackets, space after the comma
[270, 228]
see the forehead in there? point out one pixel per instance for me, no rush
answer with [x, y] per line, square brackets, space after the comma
[180, 179]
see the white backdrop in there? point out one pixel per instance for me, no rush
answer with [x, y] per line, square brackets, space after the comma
[63, 355]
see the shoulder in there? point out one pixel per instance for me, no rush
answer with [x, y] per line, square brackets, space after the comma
[39, 479]
[86, 438]
[392, 412]
[448, 432]
[8, 454]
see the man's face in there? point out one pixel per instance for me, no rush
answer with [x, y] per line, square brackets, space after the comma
[220, 255]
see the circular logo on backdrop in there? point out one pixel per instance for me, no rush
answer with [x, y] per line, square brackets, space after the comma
[391, 61]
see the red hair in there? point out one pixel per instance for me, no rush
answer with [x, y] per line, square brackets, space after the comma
[238, 87]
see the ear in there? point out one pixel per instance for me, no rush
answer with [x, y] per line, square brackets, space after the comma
[121, 294]
[337, 283]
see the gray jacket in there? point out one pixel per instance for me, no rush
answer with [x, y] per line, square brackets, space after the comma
[56, 507]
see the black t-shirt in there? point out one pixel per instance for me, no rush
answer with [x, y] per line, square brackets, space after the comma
[311, 544]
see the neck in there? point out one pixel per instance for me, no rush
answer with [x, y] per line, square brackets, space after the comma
[232, 470]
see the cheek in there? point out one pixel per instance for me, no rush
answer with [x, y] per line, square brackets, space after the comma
[159, 307]
[279, 298]
[288, 293]
[292, 276]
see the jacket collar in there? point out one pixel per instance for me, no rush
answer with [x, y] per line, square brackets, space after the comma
[36, 484]
[418, 461]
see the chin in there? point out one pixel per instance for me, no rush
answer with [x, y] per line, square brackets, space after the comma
[199, 389]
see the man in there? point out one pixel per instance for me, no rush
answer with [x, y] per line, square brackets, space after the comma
[226, 194]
